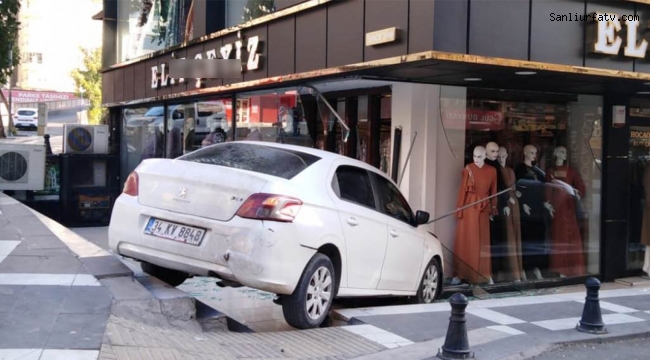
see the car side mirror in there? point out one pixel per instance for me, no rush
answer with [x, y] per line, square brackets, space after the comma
[421, 217]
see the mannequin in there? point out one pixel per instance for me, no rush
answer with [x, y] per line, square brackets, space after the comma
[530, 183]
[498, 240]
[472, 245]
[511, 219]
[645, 227]
[567, 257]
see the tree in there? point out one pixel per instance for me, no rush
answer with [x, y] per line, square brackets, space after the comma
[89, 79]
[9, 54]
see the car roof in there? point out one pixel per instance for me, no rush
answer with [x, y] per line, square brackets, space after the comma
[26, 109]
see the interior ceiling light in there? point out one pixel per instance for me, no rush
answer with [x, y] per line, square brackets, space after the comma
[472, 79]
[643, 92]
[525, 73]
[646, 83]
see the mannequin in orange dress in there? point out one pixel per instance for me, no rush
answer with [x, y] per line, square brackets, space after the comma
[472, 244]
[512, 221]
[567, 257]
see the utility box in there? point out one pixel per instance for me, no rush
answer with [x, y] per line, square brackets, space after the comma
[42, 118]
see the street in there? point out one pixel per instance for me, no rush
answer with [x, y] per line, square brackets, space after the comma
[633, 349]
[55, 122]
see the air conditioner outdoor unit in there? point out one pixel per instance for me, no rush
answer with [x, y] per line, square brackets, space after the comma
[85, 139]
[22, 166]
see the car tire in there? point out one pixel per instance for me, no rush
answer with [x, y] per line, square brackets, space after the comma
[296, 308]
[430, 284]
[171, 277]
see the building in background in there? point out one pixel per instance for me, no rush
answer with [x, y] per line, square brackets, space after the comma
[50, 37]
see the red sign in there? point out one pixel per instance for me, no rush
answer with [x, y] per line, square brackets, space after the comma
[23, 96]
[472, 119]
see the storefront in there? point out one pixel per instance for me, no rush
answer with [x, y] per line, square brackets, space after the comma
[545, 100]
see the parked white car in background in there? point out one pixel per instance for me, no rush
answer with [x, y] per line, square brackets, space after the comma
[26, 119]
[305, 224]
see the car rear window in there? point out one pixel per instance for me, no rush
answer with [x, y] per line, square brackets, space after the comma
[267, 160]
[26, 112]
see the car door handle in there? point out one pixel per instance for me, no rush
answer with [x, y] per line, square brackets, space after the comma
[393, 233]
[352, 221]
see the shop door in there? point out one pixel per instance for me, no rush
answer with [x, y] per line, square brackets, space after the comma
[639, 200]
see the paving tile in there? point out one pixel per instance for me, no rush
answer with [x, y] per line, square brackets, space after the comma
[49, 354]
[35, 299]
[59, 265]
[24, 250]
[641, 303]
[105, 266]
[26, 329]
[20, 264]
[422, 326]
[20, 354]
[43, 242]
[550, 311]
[9, 294]
[77, 331]
[87, 300]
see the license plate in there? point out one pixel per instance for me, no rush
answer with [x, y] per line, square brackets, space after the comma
[176, 232]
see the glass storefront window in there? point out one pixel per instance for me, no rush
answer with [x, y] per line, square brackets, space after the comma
[145, 26]
[241, 11]
[274, 116]
[638, 242]
[542, 152]
[193, 125]
[142, 136]
[190, 126]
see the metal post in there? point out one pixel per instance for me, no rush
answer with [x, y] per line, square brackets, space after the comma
[10, 122]
[456, 342]
[592, 319]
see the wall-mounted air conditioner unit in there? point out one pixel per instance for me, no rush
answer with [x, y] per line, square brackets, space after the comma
[22, 166]
[85, 139]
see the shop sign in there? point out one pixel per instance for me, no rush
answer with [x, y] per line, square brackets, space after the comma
[474, 119]
[160, 74]
[383, 36]
[605, 35]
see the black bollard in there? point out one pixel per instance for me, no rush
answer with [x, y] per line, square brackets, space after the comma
[456, 342]
[48, 147]
[592, 319]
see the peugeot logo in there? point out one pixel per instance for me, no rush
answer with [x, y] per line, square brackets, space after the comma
[183, 193]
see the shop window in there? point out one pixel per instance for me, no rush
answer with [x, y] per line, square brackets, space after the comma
[191, 126]
[543, 152]
[638, 241]
[273, 116]
[145, 26]
[142, 136]
[354, 186]
[241, 11]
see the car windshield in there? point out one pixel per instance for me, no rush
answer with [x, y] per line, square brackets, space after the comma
[155, 111]
[267, 160]
[26, 112]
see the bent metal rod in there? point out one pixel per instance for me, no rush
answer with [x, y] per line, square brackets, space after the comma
[472, 204]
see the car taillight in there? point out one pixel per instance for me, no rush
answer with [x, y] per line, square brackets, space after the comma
[270, 207]
[131, 184]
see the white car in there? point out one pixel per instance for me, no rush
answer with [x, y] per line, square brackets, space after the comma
[26, 119]
[305, 224]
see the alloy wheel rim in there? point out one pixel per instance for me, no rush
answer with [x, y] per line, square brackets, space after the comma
[319, 293]
[430, 284]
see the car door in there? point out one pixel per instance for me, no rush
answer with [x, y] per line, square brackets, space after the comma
[402, 266]
[364, 231]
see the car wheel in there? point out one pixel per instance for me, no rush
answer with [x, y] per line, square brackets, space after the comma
[312, 299]
[430, 285]
[171, 277]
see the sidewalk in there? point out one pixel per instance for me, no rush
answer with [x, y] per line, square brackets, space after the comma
[507, 328]
[63, 297]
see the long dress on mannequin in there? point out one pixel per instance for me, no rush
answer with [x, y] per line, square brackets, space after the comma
[530, 183]
[513, 228]
[567, 253]
[472, 244]
[645, 227]
[498, 240]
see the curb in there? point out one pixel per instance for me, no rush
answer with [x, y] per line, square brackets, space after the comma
[104, 265]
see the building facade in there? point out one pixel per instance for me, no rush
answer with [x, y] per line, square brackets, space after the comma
[553, 92]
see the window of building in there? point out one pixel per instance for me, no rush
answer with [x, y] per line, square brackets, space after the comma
[544, 151]
[241, 11]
